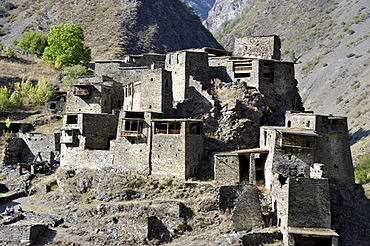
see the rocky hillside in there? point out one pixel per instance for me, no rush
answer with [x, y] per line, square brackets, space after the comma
[223, 12]
[330, 42]
[201, 7]
[113, 28]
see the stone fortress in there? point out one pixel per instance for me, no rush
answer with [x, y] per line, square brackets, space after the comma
[146, 115]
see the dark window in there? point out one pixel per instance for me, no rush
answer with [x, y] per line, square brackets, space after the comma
[72, 119]
[195, 127]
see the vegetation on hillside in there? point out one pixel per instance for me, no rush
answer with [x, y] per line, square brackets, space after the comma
[25, 93]
[362, 171]
[66, 47]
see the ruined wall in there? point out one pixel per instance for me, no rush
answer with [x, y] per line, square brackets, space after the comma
[29, 145]
[144, 60]
[226, 169]
[309, 203]
[13, 151]
[280, 203]
[22, 234]
[258, 46]
[247, 214]
[269, 139]
[108, 68]
[199, 102]
[47, 145]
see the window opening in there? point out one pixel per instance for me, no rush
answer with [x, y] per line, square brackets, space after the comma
[72, 119]
[167, 127]
[194, 127]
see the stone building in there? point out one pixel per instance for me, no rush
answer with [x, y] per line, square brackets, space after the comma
[297, 164]
[156, 102]
[86, 138]
[94, 95]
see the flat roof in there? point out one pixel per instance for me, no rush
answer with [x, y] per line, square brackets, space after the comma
[244, 152]
[176, 120]
[294, 131]
[313, 231]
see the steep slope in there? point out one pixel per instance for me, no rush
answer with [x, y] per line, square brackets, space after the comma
[330, 42]
[201, 7]
[224, 11]
[113, 28]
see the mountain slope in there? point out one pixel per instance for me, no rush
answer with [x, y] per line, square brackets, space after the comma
[201, 7]
[329, 40]
[113, 28]
[223, 12]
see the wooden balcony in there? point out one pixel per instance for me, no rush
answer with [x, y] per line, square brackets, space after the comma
[81, 92]
[132, 134]
[67, 139]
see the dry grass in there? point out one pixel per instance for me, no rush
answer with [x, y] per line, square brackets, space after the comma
[14, 70]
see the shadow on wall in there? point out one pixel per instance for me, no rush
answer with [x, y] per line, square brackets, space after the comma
[355, 137]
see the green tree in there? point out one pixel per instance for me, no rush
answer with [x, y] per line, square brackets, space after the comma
[66, 46]
[33, 42]
[10, 51]
[44, 91]
[1, 47]
[4, 98]
[15, 100]
[70, 74]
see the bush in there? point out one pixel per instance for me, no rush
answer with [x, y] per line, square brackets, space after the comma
[11, 18]
[9, 6]
[350, 55]
[33, 42]
[70, 74]
[10, 51]
[362, 171]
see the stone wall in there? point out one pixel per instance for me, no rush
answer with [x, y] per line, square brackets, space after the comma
[84, 158]
[132, 152]
[309, 203]
[29, 145]
[99, 129]
[227, 169]
[22, 234]
[247, 214]
[258, 46]
[156, 92]
[333, 149]
[47, 145]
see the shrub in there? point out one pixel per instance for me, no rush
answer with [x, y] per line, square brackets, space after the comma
[362, 170]
[10, 51]
[9, 6]
[350, 55]
[2, 11]
[70, 74]
[11, 18]
[33, 42]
